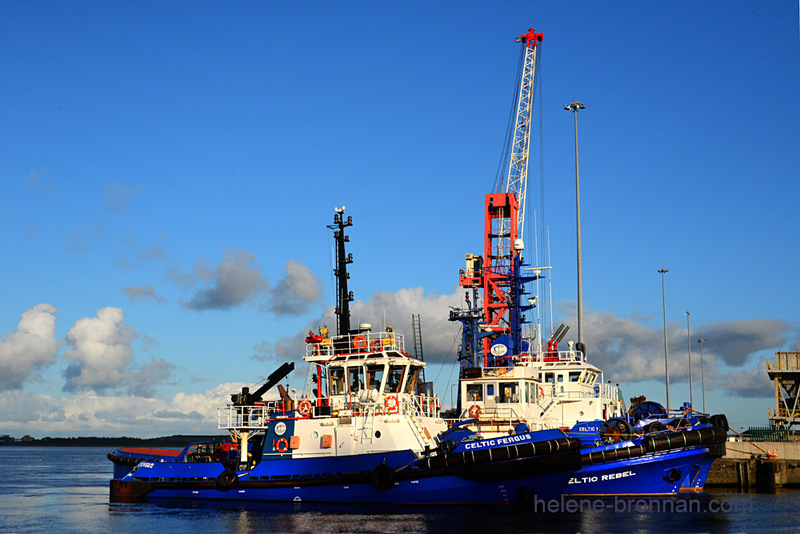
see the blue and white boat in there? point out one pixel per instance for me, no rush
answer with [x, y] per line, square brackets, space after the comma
[512, 381]
[367, 430]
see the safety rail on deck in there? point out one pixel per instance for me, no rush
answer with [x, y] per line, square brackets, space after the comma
[258, 417]
[554, 356]
[584, 391]
[356, 344]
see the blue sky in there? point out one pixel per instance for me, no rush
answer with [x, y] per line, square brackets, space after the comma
[169, 170]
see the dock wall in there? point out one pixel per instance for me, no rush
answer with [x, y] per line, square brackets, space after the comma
[744, 466]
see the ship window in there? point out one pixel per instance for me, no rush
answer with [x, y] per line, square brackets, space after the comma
[395, 379]
[489, 390]
[548, 377]
[412, 381]
[574, 376]
[508, 392]
[375, 376]
[474, 392]
[355, 377]
[337, 381]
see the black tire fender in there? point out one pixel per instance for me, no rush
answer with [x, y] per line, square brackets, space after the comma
[227, 480]
[383, 477]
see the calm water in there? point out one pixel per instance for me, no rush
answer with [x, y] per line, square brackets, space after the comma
[57, 490]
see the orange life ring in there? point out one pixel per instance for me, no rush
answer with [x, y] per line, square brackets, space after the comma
[391, 403]
[359, 342]
[475, 411]
[304, 408]
[282, 445]
[376, 345]
[541, 391]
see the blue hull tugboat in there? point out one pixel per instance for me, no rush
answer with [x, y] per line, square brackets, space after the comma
[368, 430]
[511, 381]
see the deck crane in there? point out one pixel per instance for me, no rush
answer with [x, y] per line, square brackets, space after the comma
[494, 331]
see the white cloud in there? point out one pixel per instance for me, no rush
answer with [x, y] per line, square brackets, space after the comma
[101, 351]
[31, 347]
[296, 291]
[141, 293]
[237, 280]
[118, 196]
[87, 413]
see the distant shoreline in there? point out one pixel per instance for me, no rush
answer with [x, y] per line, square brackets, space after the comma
[178, 441]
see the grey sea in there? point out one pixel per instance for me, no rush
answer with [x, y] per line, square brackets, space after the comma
[54, 489]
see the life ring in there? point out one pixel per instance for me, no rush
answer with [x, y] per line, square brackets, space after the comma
[541, 391]
[391, 403]
[282, 445]
[359, 342]
[475, 411]
[304, 408]
[376, 345]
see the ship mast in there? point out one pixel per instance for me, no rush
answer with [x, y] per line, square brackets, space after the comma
[343, 296]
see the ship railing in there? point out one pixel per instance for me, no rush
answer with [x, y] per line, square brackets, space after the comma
[258, 416]
[255, 417]
[577, 390]
[355, 344]
[551, 356]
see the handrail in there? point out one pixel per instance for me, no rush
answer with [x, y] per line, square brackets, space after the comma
[259, 416]
[351, 344]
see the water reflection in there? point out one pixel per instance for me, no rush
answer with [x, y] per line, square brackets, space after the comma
[45, 489]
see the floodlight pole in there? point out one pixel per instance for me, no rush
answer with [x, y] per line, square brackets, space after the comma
[689, 344]
[702, 372]
[666, 348]
[574, 107]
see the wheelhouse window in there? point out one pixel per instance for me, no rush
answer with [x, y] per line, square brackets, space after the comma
[355, 379]
[475, 392]
[395, 379]
[509, 392]
[411, 385]
[574, 376]
[337, 381]
[375, 376]
[549, 378]
[530, 392]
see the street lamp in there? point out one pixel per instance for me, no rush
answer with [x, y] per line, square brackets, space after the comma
[574, 107]
[666, 349]
[689, 343]
[702, 372]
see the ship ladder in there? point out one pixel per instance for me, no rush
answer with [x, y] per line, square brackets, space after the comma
[368, 430]
[422, 431]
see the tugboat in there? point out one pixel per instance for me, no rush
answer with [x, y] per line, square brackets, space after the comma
[510, 382]
[367, 430]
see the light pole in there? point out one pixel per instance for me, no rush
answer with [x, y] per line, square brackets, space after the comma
[689, 344]
[702, 372]
[574, 107]
[666, 349]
